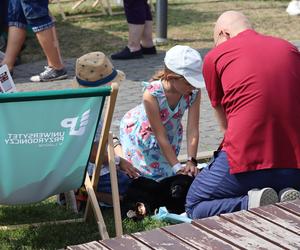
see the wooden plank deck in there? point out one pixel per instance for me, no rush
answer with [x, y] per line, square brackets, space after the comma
[270, 227]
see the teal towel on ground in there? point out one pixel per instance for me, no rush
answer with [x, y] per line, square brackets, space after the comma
[164, 215]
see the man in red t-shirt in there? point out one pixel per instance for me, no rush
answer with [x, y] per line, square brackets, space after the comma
[253, 82]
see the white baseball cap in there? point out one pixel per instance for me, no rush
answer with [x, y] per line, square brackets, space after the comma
[187, 62]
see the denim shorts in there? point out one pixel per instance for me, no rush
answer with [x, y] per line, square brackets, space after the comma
[30, 12]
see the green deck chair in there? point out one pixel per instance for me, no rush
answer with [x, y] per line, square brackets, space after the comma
[46, 139]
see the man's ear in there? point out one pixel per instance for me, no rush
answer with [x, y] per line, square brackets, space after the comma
[226, 33]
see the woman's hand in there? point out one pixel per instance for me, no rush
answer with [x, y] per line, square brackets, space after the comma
[127, 167]
[189, 169]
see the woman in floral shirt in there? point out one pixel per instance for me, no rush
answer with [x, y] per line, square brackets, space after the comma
[151, 133]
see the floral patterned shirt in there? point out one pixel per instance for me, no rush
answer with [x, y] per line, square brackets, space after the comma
[140, 145]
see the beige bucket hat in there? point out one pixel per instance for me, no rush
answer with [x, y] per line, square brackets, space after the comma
[95, 69]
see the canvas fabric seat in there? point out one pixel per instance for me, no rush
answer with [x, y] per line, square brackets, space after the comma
[46, 139]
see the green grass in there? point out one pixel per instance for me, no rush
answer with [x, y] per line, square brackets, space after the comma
[61, 235]
[34, 213]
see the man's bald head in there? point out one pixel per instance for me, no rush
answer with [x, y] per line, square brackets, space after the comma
[229, 24]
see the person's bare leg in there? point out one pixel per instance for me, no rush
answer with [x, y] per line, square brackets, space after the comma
[135, 32]
[16, 38]
[49, 43]
[147, 40]
[58, 47]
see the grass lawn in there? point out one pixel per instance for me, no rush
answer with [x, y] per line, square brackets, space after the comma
[190, 22]
[57, 236]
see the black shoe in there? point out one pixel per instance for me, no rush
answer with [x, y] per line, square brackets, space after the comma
[126, 54]
[149, 51]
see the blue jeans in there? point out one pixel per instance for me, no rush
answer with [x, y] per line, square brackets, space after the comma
[215, 190]
[29, 12]
[123, 182]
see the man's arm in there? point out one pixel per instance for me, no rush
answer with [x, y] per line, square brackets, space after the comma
[221, 117]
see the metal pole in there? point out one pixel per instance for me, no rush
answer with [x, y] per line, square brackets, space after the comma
[161, 21]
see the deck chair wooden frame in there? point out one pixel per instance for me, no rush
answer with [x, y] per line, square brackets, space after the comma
[105, 139]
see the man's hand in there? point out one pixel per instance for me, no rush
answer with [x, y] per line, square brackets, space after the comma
[127, 167]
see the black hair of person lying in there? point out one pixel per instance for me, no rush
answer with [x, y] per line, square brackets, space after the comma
[144, 195]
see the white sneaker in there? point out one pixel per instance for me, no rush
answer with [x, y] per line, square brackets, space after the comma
[50, 74]
[289, 194]
[293, 8]
[261, 197]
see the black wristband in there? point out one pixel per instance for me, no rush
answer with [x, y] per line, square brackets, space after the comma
[193, 160]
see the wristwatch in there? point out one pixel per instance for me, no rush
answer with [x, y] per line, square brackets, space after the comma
[192, 160]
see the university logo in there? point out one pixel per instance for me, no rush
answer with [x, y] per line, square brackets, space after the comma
[71, 123]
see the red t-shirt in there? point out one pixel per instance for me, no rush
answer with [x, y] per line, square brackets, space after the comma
[256, 79]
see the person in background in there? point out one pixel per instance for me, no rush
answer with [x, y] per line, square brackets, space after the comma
[253, 84]
[151, 133]
[140, 42]
[36, 14]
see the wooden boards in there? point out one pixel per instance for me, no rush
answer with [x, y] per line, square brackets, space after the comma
[270, 227]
